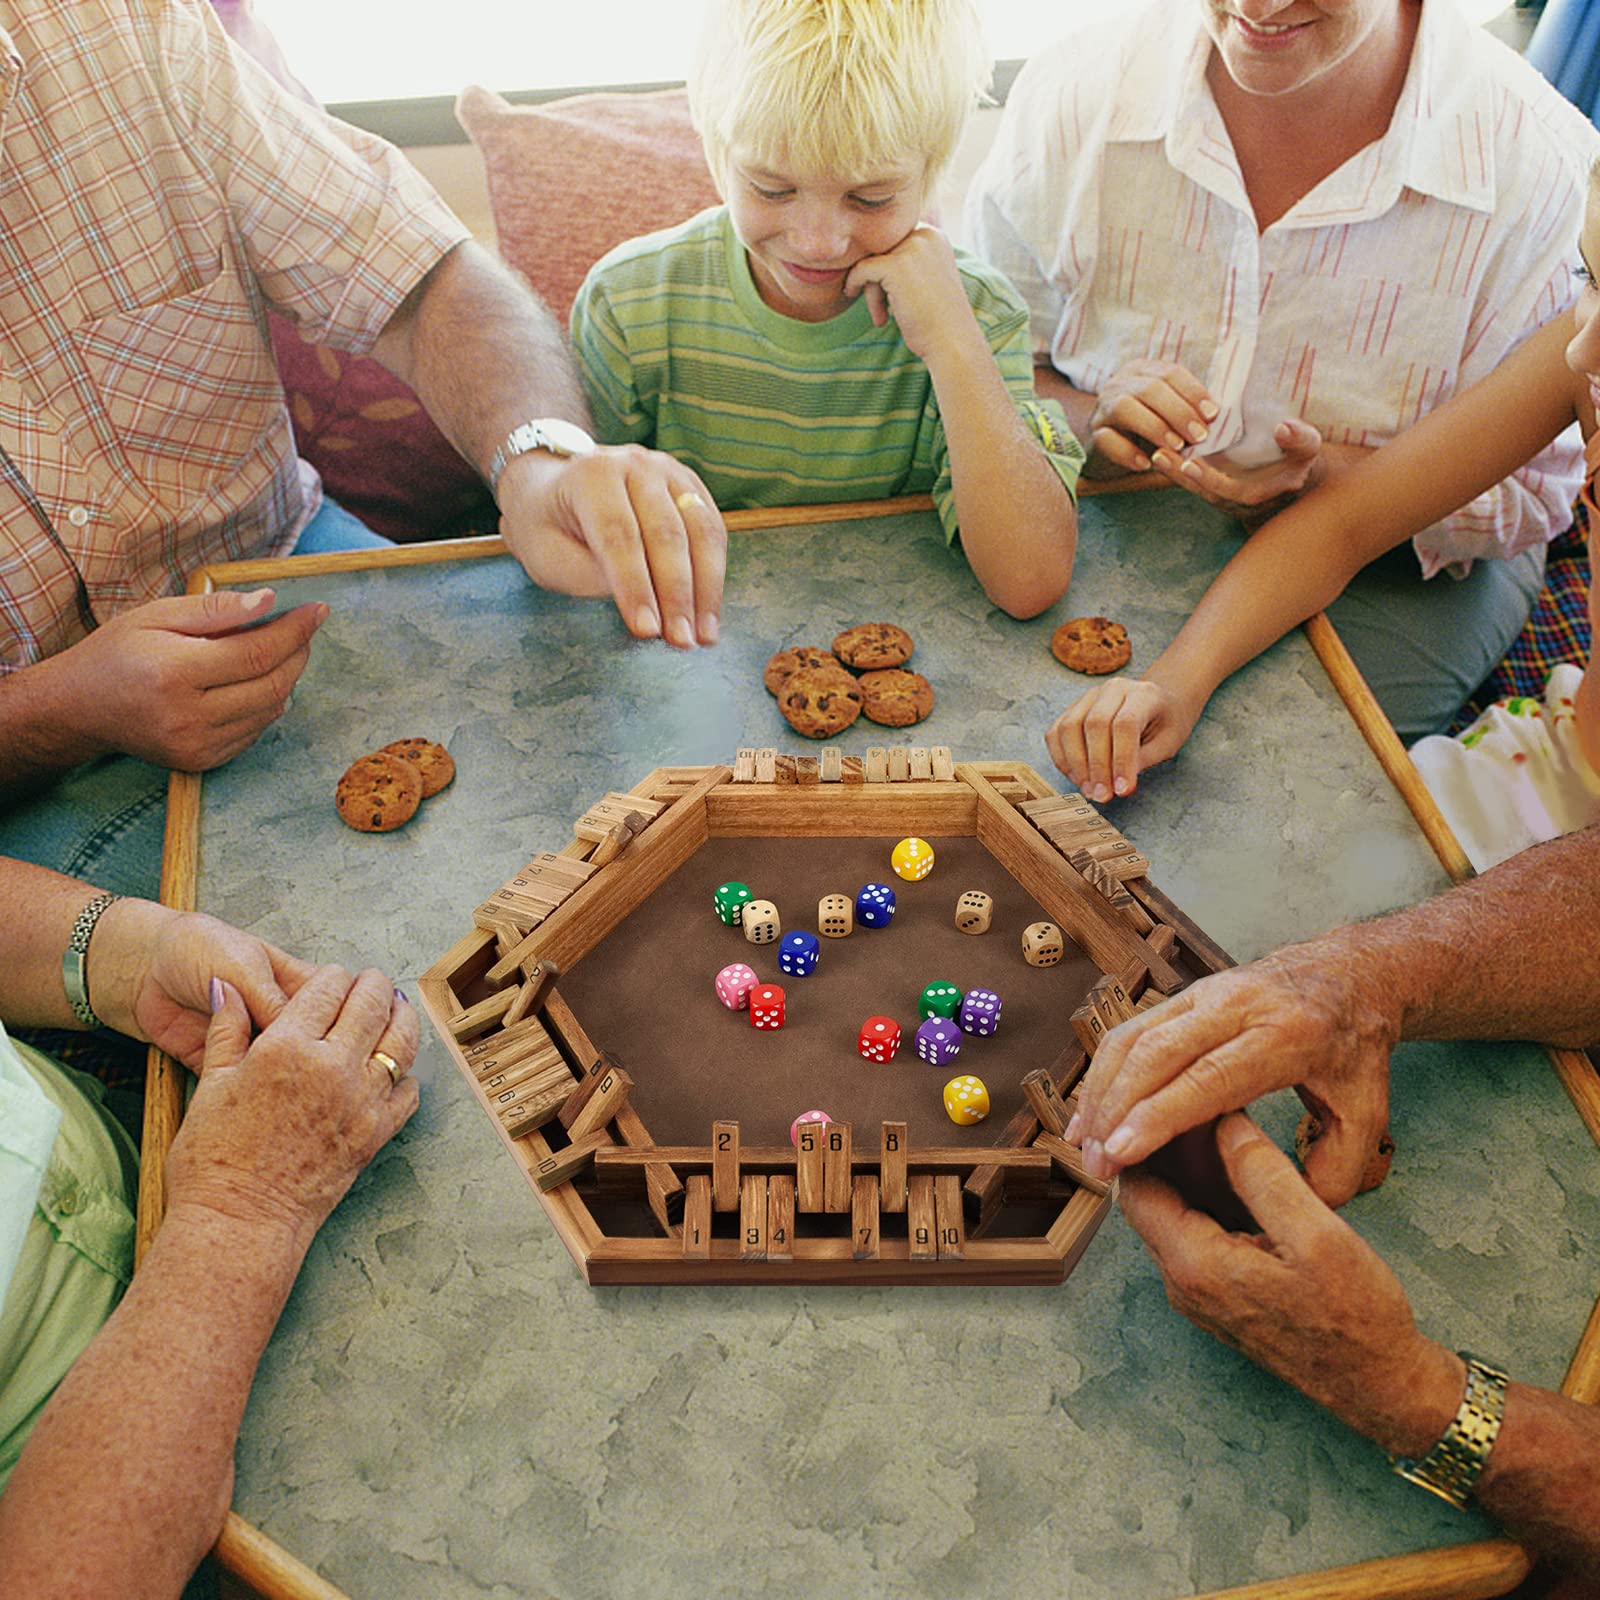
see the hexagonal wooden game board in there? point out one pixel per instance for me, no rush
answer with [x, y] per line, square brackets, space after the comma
[654, 1123]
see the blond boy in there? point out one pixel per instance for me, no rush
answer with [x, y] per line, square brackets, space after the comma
[814, 339]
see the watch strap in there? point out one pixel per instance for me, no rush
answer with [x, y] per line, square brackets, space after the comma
[1451, 1468]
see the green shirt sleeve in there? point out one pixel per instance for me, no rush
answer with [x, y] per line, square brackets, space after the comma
[601, 347]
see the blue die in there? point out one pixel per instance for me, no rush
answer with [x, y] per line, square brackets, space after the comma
[798, 953]
[875, 905]
[980, 1012]
[938, 1041]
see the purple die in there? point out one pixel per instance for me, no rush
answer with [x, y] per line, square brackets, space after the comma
[874, 905]
[980, 1012]
[798, 952]
[938, 1041]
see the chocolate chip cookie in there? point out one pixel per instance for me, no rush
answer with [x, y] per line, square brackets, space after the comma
[873, 646]
[786, 663]
[379, 792]
[432, 760]
[895, 698]
[820, 702]
[1092, 644]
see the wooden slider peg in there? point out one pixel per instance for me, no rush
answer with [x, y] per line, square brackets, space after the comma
[1070, 1159]
[608, 1098]
[921, 764]
[1039, 1090]
[1088, 1027]
[587, 1084]
[753, 1217]
[780, 1216]
[744, 766]
[767, 765]
[899, 763]
[807, 771]
[864, 1218]
[832, 768]
[486, 1014]
[944, 768]
[535, 986]
[947, 1217]
[563, 1165]
[808, 1166]
[836, 1175]
[697, 1218]
[892, 1168]
[724, 1166]
[852, 771]
[529, 1115]
[877, 764]
[618, 837]
[921, 1220]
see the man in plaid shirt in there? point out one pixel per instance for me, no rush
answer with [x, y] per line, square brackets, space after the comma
[157, 193]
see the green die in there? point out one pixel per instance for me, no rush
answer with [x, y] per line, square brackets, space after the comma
[728, 899]
[939, 999]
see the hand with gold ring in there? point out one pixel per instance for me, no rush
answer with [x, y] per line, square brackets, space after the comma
[282, 1123]
[633, 523]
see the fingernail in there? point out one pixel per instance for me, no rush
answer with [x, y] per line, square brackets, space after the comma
[1190, 469]
[1119, 1144]
[400, 995]
[1196, 431]
[1141, 463]
[1094, 1159]
[1124, 786]
[1210, 410]
[1174, 442]
[217, 996]
[710, 628]
[681, 633]
[646, 624]
[256, 599]
[1101, 792]
[1073, 1135]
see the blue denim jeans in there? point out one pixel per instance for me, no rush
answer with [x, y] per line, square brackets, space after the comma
[104, 821]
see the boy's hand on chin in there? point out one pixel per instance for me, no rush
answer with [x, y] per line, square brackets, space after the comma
[918, 284]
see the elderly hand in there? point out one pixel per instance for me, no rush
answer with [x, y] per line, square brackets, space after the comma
[1144, 407]
[625, 521]
[280, 1125]
[1306, 1298]
[1304, 1017]
[1112, 732]
[186, 682]
[150, 970]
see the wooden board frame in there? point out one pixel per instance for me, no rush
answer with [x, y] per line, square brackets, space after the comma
[1476, 1571]
[562, 905]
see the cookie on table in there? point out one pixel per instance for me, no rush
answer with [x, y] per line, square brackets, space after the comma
[873, 646]
[379, 792]
[1092, 644]
[432, 760]
[894, 697]
[786, 663]
[820, 701]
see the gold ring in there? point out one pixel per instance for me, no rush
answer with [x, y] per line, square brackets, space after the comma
[390, 1065]
[688, 500]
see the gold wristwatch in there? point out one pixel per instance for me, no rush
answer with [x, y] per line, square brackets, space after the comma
[1450, 1469]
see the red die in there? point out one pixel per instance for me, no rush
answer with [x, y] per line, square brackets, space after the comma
[766, 1006]
[879, 1038]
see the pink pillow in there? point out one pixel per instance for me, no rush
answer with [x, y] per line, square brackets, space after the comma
[569, 179]
[378, 451]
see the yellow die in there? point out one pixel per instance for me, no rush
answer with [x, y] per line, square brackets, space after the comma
[966, 1100]
[912, 859]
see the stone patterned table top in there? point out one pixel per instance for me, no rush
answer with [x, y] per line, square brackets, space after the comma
[447, 1412]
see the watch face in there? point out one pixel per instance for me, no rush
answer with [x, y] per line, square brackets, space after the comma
[566, 437]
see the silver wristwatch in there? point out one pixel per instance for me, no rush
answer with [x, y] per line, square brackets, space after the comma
[555, 434]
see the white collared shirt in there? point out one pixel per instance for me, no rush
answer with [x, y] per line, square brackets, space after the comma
[1113, 200]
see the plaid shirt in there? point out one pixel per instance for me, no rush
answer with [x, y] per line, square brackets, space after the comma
[157, 191]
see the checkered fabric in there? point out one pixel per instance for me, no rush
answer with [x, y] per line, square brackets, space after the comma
[1557, 629]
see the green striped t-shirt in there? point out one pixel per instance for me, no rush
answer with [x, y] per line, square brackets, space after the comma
[679, 352]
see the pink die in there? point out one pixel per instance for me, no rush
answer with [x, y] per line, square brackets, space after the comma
[806, 1116]
[766, 1006]
[734, 984]
[879, 1038]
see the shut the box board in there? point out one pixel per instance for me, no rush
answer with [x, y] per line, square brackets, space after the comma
[658, 1126]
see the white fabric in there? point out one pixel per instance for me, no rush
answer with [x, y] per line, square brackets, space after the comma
[1112, 199]
[1516, 777]
[29, 1122]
